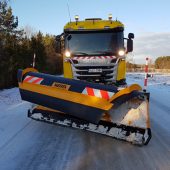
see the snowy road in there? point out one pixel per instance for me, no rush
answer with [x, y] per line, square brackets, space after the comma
[30, 145]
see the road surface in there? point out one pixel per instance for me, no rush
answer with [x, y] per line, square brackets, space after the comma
[26, 144]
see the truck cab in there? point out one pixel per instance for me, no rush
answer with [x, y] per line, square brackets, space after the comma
[93, 50]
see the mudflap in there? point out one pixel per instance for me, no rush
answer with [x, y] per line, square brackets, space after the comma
[134, 135]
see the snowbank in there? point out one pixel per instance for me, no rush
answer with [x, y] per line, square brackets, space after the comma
[9, 97]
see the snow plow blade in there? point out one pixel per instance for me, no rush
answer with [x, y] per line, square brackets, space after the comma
[103, 109]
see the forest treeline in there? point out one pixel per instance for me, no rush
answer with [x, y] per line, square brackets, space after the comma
[162, 62]
[17, 50]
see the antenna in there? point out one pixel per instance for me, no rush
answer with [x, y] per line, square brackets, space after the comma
[68, 10]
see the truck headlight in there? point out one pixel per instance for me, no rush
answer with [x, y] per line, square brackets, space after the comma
[121, 52]
[67, 54]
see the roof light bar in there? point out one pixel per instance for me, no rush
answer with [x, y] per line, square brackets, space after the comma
[76, 17]
[110, 17]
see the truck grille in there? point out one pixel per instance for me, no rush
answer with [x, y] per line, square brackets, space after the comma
[104, 73]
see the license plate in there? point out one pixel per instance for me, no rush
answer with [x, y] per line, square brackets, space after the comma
[96, 70]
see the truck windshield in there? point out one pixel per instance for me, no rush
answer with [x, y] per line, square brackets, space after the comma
[95, 43]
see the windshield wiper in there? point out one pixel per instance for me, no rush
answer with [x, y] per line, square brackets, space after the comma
[79, 53]
[104, 52]
[93, 53]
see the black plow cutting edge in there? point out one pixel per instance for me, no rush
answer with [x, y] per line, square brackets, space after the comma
[134, 135]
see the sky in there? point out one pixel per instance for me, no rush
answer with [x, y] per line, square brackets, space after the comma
[149, 20]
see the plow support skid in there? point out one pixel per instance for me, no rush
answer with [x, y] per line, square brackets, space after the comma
[92, 104]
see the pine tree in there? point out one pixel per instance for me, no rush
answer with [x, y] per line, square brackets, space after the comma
[38, 48]
[9, 42]
[53, 60]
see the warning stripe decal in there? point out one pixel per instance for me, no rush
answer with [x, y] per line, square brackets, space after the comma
[98, 93]
[34, 80]
[28, 78]
[104, 94]
[92, 57]
[90, 91]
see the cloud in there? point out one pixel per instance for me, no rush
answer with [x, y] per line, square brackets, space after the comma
[151, 45]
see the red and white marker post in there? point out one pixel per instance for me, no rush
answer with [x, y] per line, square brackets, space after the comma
[146, 74]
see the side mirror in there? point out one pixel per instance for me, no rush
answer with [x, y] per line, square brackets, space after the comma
[131, 36]
[129, 45]
[130, 42]
[69, 37]
[58, 44]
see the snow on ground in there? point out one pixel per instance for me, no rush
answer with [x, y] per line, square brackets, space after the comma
[157, 79]
[9, 97]
[28, 144]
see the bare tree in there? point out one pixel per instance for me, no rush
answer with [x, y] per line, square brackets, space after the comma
[29, 31]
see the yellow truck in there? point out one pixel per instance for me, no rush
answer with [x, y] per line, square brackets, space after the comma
[89, 96]
[94, 50]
